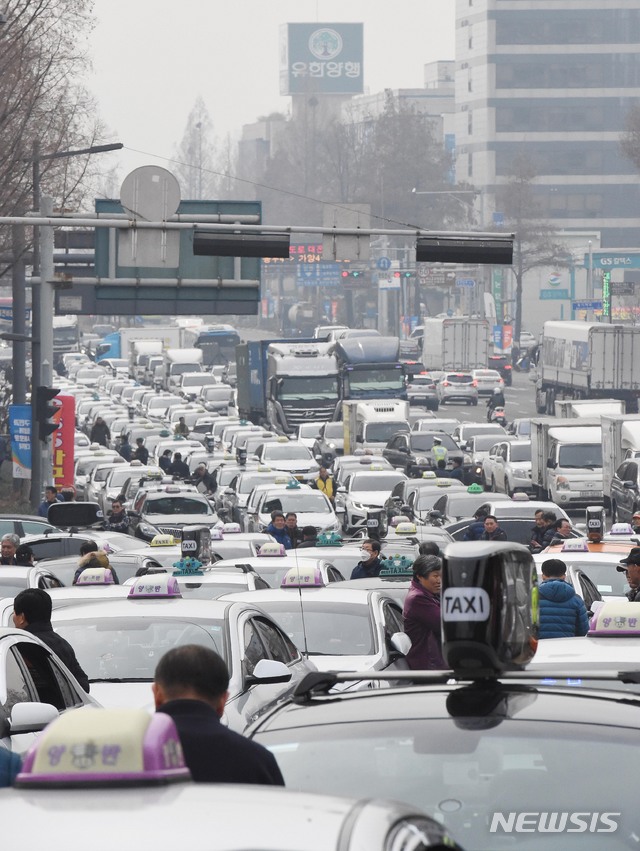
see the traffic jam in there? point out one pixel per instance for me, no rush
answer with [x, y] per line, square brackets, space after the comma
[338, 578]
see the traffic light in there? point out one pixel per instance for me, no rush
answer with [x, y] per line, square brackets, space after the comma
[45, 411]
[403, 273]
[352, 273]
[475, 250]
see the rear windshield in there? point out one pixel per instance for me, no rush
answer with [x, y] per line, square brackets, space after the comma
[460, 379]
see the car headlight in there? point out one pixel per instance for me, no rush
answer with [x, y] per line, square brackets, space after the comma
[332, 446]
[422, 460]
[148, 529]
[357, 506]
[562, 483]
[519, 473]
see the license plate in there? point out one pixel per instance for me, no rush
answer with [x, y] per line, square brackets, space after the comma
[589, 493]
[372, 524]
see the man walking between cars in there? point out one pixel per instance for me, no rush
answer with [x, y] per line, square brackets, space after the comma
[191, 686]
[563, 613]
[369, 564]
[325, 483]
[631, 566]
[422, 615]
[32, 612]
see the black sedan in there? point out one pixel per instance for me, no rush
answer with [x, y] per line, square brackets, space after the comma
[411, 452]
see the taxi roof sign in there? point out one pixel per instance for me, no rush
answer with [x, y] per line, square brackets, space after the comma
[303, 577]
[217, 534]
[105, 747]
[163, 541]
[329, 539]
[293, 485]
[271, 549]
[406, 529]
[399, 518]
[230, 528]
[520, 496]
[621, 529]
[96, 576]
[428, 474]
[158, 586]
[577, 545]
[616, 619]
[475, 488]
[396, 565]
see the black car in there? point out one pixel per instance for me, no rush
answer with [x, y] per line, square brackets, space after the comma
[411, 452]
[625, 491]
[503, 364]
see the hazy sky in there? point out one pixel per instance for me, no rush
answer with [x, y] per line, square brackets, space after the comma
[152, 58]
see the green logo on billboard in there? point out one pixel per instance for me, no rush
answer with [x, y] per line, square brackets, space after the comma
[325, 43]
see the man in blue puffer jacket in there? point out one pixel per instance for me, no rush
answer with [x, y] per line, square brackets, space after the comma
[562, 613]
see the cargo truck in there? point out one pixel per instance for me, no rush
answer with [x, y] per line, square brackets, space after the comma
[369, 425]
[572, 408]
[370, 368]
[457, 343]
[587, 360]
[566, 460]
[620, 443]
[283, 383]
[116, 345]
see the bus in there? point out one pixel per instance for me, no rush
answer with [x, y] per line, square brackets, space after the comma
[218, 344]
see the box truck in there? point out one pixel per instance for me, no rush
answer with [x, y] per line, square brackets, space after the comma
[587, 360]
[456, 343]
[566, 460]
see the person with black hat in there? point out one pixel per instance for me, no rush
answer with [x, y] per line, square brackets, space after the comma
[422, 615]
[309, 537]
[631, 566]
[563, 613]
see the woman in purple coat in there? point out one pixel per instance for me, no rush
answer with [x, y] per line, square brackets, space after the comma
[422, 615]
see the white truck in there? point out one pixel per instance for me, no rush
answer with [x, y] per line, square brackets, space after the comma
[177, 361]
[566, 460]
[571, 408]
[370, 424]
[455, 343]
[139, 353]
[587, 360]
[620, 441]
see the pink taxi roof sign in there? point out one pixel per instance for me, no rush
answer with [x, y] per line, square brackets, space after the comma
[303, 577]
[616, 618]
[271, 549]
[96, 576]
[156, 585]
[105, 747]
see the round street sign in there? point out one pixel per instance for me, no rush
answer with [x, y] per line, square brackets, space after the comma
[383, 263]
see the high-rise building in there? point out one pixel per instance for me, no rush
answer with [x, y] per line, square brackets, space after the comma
[552, 81]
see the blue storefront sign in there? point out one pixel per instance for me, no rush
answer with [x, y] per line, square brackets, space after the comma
[20, 431]
[608, 260]
[318, 274]
[554, 294]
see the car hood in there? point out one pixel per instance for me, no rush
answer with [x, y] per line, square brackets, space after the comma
[374, 498]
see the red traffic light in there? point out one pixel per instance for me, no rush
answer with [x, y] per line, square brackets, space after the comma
[344, 273]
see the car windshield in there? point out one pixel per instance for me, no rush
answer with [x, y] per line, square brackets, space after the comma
[327, 630]
[216, 394]
[455, 378]
[84, 468]
[309, 430]
[382, 379]
[334, 431]
[179, 368]
[297, 501]
[286, 452]
[292, 389]
[580, 456]
[463, 505]
[521, 453]
[422, 379]
[209, 590]
[198, 380]
[375, 482]
[524, 427]
[423, 442]
[382, 432]
[248, 481]
[162, 402]
[484, 442]
[429, 762]
[177, 505]
[129, 648]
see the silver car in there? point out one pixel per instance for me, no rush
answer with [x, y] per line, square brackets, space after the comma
[458, 386]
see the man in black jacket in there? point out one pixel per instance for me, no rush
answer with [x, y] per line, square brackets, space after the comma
[178, 467]
[32, 612]
[191, 685]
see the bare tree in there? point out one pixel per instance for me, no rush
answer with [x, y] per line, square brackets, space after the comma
[534, 244]
[200, 163]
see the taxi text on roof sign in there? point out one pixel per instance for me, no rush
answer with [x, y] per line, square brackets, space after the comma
[156, 586]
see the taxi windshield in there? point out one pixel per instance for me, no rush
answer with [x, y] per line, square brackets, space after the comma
[129, 648]
[297, 501]
[327, 630]
[177, 505]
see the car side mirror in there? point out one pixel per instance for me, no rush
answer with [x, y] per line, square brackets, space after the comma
[31, 717]
[341, 489]
[400, 642]
[268, 671]
[551, 463]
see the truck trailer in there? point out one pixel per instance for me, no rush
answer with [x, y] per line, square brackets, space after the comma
[116, 345]
[587, 360]
[370, 368]
[456, 343]
[566, 460]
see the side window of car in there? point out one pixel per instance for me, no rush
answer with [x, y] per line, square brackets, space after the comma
[622, 470]
[48, 580]
[632, 472]
[393, 620]
[253, 648]
[279, 647]
[16, 684]
[334, 575]
[47, 686]
[49, 548]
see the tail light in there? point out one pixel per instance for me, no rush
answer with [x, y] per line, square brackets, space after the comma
[445, 383]
[474, 383]
[507, 366]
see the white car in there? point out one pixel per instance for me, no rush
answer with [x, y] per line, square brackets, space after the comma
[507, 468]
[312, 507]
[365, 492]
[488, 381]
[118, 644]
[289, 457]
